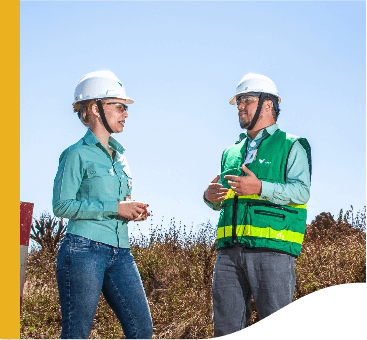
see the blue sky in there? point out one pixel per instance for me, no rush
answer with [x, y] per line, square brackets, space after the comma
[181, 62]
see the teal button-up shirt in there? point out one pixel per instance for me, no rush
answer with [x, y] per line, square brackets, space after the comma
[87, 188]
[298, 182]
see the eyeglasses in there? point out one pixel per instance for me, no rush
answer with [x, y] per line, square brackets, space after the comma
[246, 99]
[119, 106]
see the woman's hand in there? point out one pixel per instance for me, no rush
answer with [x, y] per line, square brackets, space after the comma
[133, 211]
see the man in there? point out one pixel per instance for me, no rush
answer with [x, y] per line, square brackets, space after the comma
[261, 193]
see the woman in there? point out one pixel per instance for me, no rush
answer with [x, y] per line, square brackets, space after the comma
[92, 189]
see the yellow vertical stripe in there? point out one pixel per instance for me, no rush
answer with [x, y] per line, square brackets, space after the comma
[227, 233]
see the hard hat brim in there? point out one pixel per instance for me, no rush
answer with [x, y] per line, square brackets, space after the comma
[128, 99]
[232, 100]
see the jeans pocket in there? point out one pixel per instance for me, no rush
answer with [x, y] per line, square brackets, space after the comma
[276, 253]
[62, 258]
[79, 243]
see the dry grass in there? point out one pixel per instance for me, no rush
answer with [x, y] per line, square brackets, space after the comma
[334, 252]
[176, 267]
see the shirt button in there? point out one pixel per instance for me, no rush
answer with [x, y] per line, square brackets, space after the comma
[253, 144]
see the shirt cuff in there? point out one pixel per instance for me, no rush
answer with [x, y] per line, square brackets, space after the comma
[110, 208]
[212, 205]
[267, 190]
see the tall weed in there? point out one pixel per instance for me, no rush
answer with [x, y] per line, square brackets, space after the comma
[176, 265]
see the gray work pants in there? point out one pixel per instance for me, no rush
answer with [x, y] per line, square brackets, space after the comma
[241, 272]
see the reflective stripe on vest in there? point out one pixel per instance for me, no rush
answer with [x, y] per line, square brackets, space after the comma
[250, 230]
[231, 194]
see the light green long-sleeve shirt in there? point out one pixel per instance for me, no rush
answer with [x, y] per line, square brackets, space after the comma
[298, 182]
[87, 188]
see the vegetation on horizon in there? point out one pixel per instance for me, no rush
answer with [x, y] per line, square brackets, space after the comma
[176, 266]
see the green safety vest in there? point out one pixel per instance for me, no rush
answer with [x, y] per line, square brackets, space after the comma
[256, 223]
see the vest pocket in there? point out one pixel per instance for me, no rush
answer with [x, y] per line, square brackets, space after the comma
[269, 213]
[255, 215]
[272, 206]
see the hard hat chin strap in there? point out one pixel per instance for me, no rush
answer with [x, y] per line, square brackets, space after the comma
[257, 113]
[80, 112]
[103, 116]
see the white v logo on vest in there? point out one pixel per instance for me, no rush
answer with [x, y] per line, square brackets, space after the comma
[262, 160]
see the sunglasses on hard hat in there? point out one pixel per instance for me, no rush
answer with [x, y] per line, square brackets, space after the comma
[119, 106]
[246, 99]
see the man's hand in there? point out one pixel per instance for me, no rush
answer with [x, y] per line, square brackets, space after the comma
[215, 191]
[241, 185]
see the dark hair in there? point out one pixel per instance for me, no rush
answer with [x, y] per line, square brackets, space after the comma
[276, 109]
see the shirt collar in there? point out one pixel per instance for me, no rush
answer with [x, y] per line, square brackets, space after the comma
[91, 139]
[268, 130]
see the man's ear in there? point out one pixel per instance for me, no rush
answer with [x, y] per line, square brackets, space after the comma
[269, 104]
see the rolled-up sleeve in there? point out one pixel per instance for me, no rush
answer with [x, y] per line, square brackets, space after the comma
[212, 205]
[66, 186]
[298, 182]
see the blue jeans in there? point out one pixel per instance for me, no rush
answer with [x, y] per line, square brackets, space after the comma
[84, 269]
[239, 273]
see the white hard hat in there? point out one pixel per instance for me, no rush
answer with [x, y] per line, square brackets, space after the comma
[98, 85]
[257, 83]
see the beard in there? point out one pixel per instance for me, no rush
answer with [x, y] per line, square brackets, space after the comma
[244, 123]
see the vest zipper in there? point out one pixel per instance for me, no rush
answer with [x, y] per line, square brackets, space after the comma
[269, 213]
[272, 206]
